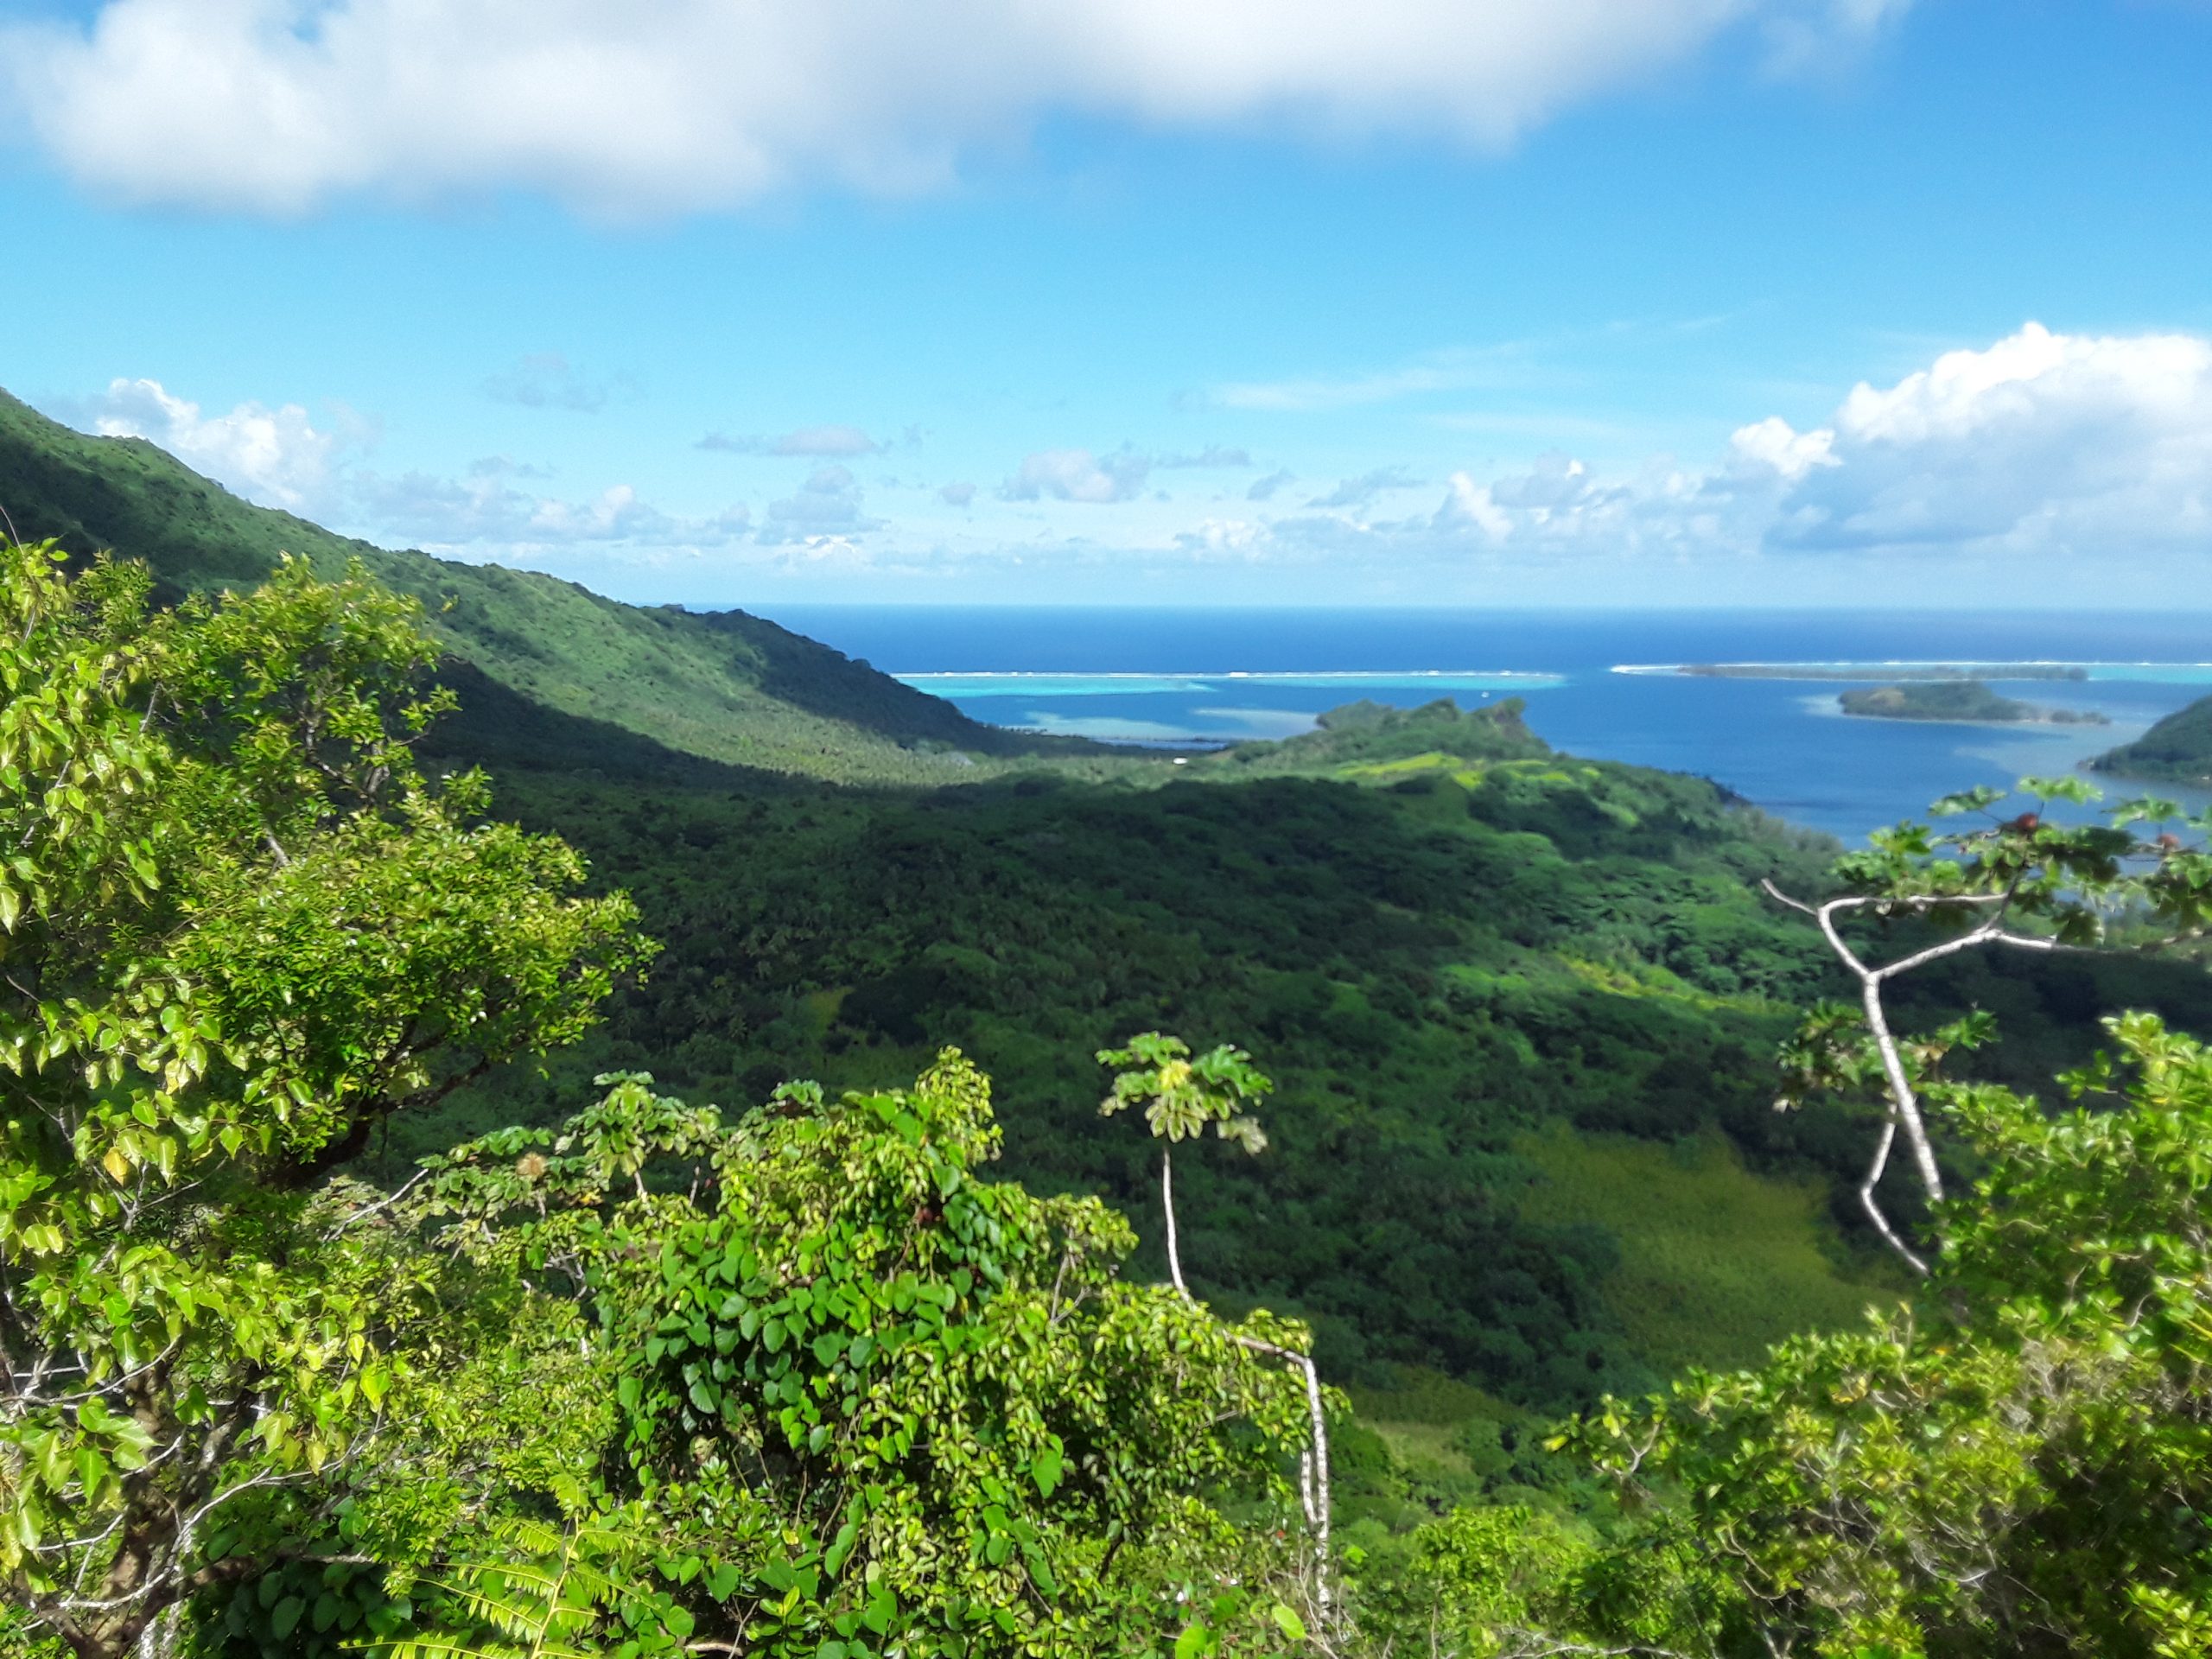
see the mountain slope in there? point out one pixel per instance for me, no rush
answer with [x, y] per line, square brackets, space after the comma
[2178, 750]
[723, 686]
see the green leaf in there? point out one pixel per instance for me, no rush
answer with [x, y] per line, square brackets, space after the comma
[1045, 1470]
[284, 1618]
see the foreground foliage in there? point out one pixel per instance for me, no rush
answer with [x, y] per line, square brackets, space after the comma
[864, 1400]
[238, 932]
[2021, 1462]
[2005, 882]
[807, 1383]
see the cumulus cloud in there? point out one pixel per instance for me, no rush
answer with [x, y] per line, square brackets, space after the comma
[955, 495]
[812, 441]
[827, 503]
[548, 380]
[1264, 489]
[274, 457]
[277, 105]
[486, 509]
[1078, 475]
[2041, 444]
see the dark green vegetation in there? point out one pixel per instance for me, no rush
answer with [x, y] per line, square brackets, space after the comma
[1475, 943]
[808, 1379]
[1495, 942]
[806, 1384]
[2178, 750]
[1956, 700]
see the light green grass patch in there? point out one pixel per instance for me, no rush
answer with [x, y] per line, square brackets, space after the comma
[1407, 765]
[1424, 1447]
[1717, 1263]
[1648, 979]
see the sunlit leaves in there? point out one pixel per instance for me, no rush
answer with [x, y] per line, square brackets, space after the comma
[1180, 1094]
[883, 1403]
[237, 930]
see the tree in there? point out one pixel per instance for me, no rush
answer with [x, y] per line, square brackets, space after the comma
[2016, 882]
[1181, 1096]
[2021, 1462]
[238, 930]
[868, 1402]
[1511, 1582]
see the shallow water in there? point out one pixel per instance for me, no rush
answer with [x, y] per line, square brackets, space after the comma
[1162, 676]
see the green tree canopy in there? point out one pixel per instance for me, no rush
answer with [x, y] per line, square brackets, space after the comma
[238, 930]
[868, 1402]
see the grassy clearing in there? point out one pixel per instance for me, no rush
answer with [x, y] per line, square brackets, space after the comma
[1717, 1262]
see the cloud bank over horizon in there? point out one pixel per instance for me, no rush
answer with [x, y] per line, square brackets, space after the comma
[2042, 451]
[627, 111]
[2041, 444]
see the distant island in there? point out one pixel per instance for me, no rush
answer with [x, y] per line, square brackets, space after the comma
[1957, 700]
[1887, 672]
[2178, 750]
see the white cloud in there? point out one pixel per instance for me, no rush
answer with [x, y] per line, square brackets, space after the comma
[1078, 475]
[1359, 492]
[1774, 444]
[273, 457]
[627, 109]
[827, 505]
[278, 458]
[2043, 444]
[1301, 397]
[485, 511]
[548, 380]
[955, 495]
[814, 441]
[1806, 41]
[1213, 455]
[2043, 440]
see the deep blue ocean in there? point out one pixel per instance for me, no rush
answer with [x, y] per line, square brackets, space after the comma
[1154, 675]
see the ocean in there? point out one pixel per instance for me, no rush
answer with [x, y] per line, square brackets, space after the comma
[1158, 676]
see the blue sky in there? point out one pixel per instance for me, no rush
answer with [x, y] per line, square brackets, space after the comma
[1529, 302]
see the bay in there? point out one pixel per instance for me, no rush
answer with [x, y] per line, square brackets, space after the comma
[1147, 675]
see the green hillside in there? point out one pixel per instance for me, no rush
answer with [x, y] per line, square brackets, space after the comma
[724, 686]
[1457, 950]
[1460, 954]
[2178, 750]
[1434, 961]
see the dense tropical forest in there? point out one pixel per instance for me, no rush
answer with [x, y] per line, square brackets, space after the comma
[531, 1126]
[2177, 750]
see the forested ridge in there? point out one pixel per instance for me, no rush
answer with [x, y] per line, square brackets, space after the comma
[2175, 750]
[724, 685]
[375, 1274]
